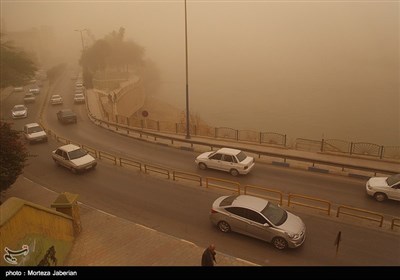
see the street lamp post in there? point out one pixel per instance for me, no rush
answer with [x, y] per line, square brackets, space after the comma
[81, 30]
[187, 81]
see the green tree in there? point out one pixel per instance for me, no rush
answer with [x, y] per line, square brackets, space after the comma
[13, 155]
[16, 66]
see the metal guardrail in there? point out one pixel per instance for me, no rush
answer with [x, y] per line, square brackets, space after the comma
[254, 151]
[187, 176]
[235, 187]
[326, 202]
[134, 163]
[279, 193]
[210, 182]
[156, 169]
[380, 221]
[393, 224]
[108, 156]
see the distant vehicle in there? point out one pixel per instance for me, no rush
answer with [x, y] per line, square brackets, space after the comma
[259, 218]
[29, 98]
[19, 111]
[79, 98]
[35, 91]
[79, 90]
[18, 89]
[33, 132]
[231, 160]
[66, 116]
[74, 158]
[56, 99]
[382, 188]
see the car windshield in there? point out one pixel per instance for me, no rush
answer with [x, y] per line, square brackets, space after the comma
[274, 214]
[34, 129]
[55, 97]
[393, 179]
[241, 156]
[77, 154]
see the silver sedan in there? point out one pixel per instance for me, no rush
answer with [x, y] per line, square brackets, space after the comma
[259, 218]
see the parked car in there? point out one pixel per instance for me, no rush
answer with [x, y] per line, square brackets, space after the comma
[29, 98]
[79, 98]
[259, 218]
[382, 188]
[56, 99]
[33, 132]
[74, 158]
[231, 160]
[19, 111]
[66, 116]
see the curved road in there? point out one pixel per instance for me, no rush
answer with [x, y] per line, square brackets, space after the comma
[182, 210]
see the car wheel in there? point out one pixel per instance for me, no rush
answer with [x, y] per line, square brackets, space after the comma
[73, 170]
[234, 172]
[380, 197]
[202, 166]
[224, 226]
[56, 162]
[279, 243]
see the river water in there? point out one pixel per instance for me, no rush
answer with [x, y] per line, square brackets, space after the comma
[309, 71]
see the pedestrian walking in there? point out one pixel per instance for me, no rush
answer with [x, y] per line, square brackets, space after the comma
[208, 257]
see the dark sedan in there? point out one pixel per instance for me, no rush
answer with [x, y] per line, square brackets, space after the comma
[66, 116]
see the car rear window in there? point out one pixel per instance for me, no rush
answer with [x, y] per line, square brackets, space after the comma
[228, 201]
[241, 156]
[77, 154]
[34, 129]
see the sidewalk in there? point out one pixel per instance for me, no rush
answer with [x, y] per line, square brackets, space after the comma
[369, 163]
[107, 240]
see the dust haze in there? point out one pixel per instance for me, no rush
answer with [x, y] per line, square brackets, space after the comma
[318, 69]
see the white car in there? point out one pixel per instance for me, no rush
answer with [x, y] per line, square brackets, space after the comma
[79, 98]
[74, 158]
[18, 89]
[19, 111]
[226, 159]
[382, 188]
[35, 91]
[33, 132]
[56, 99]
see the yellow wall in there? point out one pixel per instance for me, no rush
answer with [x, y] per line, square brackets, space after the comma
[25, 223]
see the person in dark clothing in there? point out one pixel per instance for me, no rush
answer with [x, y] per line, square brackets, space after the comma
[208, 257]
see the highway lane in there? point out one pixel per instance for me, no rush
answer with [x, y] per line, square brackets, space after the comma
[337, 189]
[18, 98]
[159, 203]
[181, 210]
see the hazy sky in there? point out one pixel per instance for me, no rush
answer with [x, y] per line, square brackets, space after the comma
[303, 68]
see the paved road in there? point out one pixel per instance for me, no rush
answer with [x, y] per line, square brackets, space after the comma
[181, 210]
[158, 203]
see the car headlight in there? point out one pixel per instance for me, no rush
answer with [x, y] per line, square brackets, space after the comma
[293, 236]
